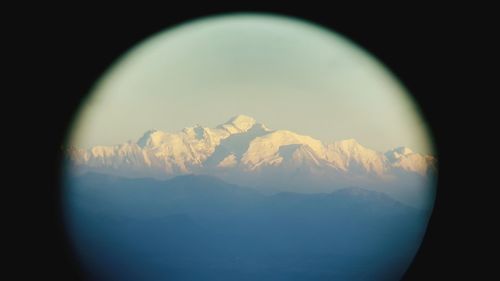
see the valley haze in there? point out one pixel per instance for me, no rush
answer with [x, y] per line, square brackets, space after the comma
[202, 228]
[291, 196]
[245, 152]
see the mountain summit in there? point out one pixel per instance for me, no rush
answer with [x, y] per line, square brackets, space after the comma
[244, 151]
[238, 124]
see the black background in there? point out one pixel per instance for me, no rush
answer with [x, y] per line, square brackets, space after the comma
[69, 49]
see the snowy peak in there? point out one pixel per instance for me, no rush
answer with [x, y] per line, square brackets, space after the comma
[299, 155]
[151, 138]
[238, 124]
[265, 150]
[349, 155]
[348, 143]
[398, 152]
[350, 146]
[241, 121]
[241, 146]
[405, 159]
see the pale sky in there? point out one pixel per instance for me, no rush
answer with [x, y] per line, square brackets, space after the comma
[286, 73]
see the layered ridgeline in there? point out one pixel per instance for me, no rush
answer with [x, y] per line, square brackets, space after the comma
[244, 202]
[201, 228]
[247, 153]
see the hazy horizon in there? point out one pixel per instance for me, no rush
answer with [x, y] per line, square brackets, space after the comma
[285, 73]
[135, 139]
[276, 202]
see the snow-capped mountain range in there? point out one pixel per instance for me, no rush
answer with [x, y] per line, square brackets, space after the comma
[244, 151]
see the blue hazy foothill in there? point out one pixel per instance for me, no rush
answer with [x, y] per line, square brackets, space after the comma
[201, 228]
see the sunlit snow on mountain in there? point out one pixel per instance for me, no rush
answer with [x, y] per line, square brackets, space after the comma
[246, 152]
[287, 194]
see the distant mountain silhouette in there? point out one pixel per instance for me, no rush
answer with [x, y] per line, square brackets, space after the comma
[202, 228]
[245, 152]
